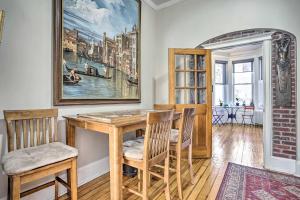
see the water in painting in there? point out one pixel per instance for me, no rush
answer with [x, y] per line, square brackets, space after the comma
[100, 49]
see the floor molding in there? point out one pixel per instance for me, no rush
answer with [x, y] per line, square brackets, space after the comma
[85, 174]
[297, 173]
[281, 165]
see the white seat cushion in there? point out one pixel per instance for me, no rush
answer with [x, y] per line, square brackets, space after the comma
[174, 135]
[27, 159]
[134, 149]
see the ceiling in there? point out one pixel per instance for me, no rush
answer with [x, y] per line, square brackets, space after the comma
[160, 4]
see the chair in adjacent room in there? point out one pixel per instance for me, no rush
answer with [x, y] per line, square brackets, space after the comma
[34, 152]
[218, 114]
[248, 113]
[145, 152]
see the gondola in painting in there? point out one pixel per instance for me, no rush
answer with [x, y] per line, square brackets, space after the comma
[96, 51]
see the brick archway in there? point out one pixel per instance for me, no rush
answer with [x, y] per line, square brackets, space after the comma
[284, 130]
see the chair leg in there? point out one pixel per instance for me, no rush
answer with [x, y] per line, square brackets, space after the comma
[16, 188]
[166, 177]
[178, 174]
[149, 179]
[139, 180]
[56, 188]
[191, 164]
[145, 184]
[9, 188]
[73, 182]
[252, 120]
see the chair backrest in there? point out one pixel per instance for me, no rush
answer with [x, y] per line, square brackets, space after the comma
[157, 135]
[28, 128]
[164, 106]
[249, 110]
[186, 127]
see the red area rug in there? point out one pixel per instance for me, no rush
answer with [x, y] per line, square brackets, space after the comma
[241, 182]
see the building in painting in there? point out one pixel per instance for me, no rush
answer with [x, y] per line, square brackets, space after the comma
[109, 51]
[118, 52]
[70, 40]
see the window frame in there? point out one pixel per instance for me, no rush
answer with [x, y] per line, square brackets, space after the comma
[225, 67]
[225, 64]
[260, 68]
[251, 60]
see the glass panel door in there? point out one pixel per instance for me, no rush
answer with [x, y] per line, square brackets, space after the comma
[185, 79]
[190, 76]
[190, 86]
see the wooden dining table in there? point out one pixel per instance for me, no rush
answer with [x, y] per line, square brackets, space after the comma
[115, 124]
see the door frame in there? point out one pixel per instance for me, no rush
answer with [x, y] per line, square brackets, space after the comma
[270, 162]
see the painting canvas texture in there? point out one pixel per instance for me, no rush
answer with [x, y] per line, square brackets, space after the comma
[100, 47]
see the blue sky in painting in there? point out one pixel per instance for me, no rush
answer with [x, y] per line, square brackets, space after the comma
[93, 17]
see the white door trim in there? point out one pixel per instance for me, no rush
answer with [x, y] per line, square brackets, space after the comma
[270, 162]
[239, 41]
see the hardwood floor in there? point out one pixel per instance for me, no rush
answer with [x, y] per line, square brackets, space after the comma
[238, 144]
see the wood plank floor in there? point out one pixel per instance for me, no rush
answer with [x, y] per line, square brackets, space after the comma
[238, 144]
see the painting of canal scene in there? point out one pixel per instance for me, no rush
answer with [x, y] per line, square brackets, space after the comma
[100, 51]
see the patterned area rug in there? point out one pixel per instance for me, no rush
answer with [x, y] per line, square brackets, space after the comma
[241, 182]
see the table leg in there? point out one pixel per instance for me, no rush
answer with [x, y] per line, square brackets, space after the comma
[70, 140]
[115, 161]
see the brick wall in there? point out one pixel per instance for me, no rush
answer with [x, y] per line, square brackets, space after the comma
[284, 118]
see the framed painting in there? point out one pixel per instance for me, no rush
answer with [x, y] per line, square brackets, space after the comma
[96, 52]
[1, 23]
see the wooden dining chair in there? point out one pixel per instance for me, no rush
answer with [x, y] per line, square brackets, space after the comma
[144, 153]
[34, 153]
[181, 139]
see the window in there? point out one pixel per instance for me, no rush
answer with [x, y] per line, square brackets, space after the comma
[220, 81]
[260, 88]
[243, 81]
[260, 65]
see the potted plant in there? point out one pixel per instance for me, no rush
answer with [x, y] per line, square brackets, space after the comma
[252, 103]
[220, 102]
[237, 101]
[244, 103]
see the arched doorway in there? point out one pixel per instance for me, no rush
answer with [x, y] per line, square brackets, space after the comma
[280, 131]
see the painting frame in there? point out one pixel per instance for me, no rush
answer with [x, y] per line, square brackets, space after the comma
[58, 99]
[2, 16]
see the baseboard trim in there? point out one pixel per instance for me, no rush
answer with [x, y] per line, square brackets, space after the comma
[93, 170]
[297, 173]
[281, 165]
[85, 174]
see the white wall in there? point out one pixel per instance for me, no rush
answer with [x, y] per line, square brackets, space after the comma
[191, 22]
[26, 73]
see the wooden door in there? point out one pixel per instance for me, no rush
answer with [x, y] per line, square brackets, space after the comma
[190, 86]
